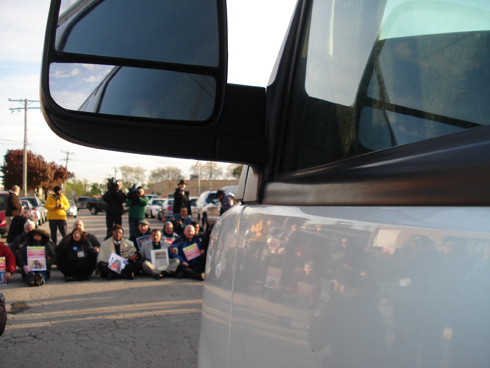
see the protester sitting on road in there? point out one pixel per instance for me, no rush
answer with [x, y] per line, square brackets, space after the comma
[145, 254]
[17, 227]
[90, 237]
[182, 221]
[35, 258]
[168, 235]
[76, 258]
[192, 258]
[143, 229]
[20, 239]
[10, 263]
[203, 237]
[122, 247]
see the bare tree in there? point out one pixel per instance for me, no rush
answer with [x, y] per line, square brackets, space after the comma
[132, 175]
[209, 170]
[165, 173]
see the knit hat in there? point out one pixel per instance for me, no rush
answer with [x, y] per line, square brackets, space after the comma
[29, 222]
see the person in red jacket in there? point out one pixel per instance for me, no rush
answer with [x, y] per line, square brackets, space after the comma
[9, 261]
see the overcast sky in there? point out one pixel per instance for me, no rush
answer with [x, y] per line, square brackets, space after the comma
[256, 31]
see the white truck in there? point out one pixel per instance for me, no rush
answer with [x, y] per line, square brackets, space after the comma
[362, 238]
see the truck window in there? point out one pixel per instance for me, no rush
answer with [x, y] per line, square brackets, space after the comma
[405, 71]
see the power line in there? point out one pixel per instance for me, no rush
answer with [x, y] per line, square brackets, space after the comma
[12, 88]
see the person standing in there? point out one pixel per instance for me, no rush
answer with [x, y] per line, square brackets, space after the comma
[181, 199]
[227, 201]
[137, 205]
[14, 207]
[115, 198]
[57, 204]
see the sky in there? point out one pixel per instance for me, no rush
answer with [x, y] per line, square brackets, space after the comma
[256, 29]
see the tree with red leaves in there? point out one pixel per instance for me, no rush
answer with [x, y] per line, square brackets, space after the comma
[40, 174]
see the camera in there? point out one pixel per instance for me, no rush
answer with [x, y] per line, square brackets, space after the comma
[112, 185]
[134, 193]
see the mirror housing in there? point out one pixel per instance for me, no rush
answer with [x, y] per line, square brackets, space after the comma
[232, 130]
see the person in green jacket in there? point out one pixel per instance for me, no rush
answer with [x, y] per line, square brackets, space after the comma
[137, 205]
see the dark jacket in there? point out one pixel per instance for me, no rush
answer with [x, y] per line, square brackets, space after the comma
[68, 252]
[14, 207]
[181, 200]
[50, 255]
[16, 228]
[115, 201]
[90, 237]
[138, 234]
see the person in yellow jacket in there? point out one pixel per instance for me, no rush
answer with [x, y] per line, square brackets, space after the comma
[57, 204]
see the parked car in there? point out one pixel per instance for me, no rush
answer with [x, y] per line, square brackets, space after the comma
[73, 210]
[3, 206]
[32, 211]
[201, 212]
[153, 206]
[193, 200]
[151, 196]
[37, 205]
[95, 205]
[362, 239]
[230, 189]
[167, 209]
[82, 202]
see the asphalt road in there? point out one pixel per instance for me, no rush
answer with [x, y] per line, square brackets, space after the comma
[117, 323]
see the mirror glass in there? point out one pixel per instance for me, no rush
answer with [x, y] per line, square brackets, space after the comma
[183, 31]
[127, 91]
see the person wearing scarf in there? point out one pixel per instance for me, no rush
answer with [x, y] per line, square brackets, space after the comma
[122, 247]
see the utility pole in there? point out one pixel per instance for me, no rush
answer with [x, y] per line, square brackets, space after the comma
[198, 164]
[115, 171]
[26, 107]
[66, 163]
[67, 158]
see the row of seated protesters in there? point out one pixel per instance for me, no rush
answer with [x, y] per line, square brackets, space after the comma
[79, 254]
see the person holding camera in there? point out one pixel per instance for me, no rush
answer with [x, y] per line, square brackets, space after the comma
[181, 199]
[115, 198]
[137, 205]
[57, 204]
